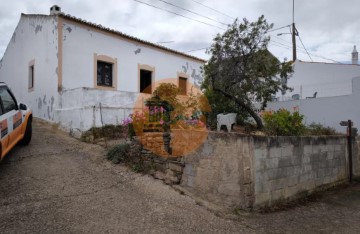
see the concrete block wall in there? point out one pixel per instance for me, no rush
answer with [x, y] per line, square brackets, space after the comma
[234, 170]
[287, 166]
[356, 158]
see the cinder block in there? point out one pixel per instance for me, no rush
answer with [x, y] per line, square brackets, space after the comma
[260, 153]
[260, 164]
[272, 163]
[287, 151]
[277, 195]
[330, 148]
[285, 162]
[308, 149]
[291, 191]
[275, 152]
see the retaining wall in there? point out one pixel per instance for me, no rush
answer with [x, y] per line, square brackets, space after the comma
[242, 171]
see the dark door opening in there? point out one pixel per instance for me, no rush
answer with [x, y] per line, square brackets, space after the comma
[145, 81]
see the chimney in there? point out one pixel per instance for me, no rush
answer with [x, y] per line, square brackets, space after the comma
[55, 10]
[354, 56]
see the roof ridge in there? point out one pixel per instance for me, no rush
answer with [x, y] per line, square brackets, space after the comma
[101, 27]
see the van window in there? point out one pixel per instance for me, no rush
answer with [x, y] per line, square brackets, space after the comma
[8, 102]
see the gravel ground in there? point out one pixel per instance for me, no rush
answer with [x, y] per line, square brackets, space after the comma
[58, 184]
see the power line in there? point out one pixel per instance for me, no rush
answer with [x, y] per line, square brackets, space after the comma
[211, 25]
[314, 55]
[196, 50]
[213, 9]
[192, 12]
[279, 28]
[305, 48]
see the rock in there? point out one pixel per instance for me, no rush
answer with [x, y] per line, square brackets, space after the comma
[159, 175]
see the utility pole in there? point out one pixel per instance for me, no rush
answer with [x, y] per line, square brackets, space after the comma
[294, 32]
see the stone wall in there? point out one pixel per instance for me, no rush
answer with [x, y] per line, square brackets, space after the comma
[242, 171]
[221, 170]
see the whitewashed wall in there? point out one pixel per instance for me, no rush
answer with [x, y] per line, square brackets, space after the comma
[35, 37]
[80, 102]
[328, 111]
[80, 44]
[327, 79]
[77, 107]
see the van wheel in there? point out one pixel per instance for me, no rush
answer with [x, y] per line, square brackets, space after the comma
[28, 133]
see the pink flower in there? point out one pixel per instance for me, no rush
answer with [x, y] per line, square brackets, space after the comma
[161, 122]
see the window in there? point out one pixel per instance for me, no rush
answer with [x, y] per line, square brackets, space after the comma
[8, 102]
[183, 85]
[31, 77]
[145, 81]
[104, 74]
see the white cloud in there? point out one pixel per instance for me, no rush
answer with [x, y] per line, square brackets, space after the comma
[328, 28]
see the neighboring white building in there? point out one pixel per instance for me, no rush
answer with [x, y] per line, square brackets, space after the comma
[337, 88]
[326, 79]
[64, 68]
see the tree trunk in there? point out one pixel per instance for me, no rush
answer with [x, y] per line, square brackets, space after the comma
[253, 114]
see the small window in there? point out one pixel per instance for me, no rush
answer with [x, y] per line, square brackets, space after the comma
[104, 74]
[145, 81]
[8, 102]
[31, 77]
[182, 85]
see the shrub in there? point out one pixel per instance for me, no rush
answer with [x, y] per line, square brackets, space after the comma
[118, 153]
[318, 129]
[283, 123]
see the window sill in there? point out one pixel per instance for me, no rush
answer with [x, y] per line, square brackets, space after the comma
[105, 87]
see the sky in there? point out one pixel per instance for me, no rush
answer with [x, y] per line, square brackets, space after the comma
[328, 29]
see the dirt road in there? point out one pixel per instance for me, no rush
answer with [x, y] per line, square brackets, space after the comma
[58, 184]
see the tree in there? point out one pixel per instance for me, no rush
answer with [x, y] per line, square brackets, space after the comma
[241, 68]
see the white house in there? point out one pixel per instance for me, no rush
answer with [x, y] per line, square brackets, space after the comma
[81, 74]
[324, 79]
[324, 93]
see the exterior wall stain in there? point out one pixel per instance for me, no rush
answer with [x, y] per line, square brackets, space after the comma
[137, 51]
[39, 104]
[52, 103]
[69, 29]
[44, 100]
[38, 28]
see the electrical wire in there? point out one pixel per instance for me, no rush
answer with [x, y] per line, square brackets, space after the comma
[211, 25]
[192, 12]
[305, 48]
[213, 9]
[196, 50]
[279, 28]
[314, 55]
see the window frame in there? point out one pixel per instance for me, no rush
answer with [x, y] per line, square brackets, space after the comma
[109, 60]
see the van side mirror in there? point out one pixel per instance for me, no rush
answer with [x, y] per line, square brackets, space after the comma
[23, 106]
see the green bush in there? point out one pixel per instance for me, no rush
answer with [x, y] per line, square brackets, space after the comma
[283, 123]
[317, 129]
[118, 153]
